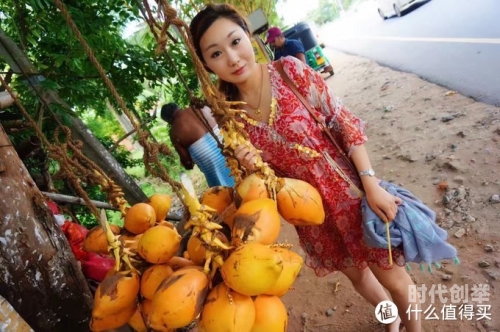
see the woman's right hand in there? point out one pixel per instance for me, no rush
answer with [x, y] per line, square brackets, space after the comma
[246, 156]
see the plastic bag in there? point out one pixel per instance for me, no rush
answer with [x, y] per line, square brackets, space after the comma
[94, 266]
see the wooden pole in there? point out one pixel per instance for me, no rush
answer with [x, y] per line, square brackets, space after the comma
[77, 200]
[12, 321]
[100, 205]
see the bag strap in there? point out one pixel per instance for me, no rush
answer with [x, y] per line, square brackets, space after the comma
[323, 128]
[308, 106]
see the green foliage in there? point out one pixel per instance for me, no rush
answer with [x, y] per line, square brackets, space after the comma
[103, 126]
[348, 3]
[40, 30]
[183, 79]
[326, 12]
[82, 213]
[63, 66]
[171, 162]
[179, 76]
[329, 10]
[88, 220]
[249, 6]
[141, 76]
[122, 155]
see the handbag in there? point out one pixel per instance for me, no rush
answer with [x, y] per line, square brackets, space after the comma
[414, 227]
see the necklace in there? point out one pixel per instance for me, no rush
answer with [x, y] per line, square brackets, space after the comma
[276, 137]
[257, 111]
[272, 115]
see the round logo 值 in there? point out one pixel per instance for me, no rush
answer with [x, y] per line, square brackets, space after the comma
[386, 312]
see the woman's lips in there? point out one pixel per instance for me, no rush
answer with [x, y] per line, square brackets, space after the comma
[239, 71]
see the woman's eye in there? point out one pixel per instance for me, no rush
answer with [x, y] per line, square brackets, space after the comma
[216, 54]
[236, 41]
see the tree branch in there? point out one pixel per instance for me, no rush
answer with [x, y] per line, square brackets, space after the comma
[127, 135]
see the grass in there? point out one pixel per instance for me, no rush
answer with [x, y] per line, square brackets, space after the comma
[151, 185]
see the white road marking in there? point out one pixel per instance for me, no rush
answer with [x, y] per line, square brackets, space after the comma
[431, 40]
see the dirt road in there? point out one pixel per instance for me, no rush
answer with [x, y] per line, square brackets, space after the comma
[445, 148]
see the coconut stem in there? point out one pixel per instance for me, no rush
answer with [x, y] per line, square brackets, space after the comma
[115, 245]
[388, 242]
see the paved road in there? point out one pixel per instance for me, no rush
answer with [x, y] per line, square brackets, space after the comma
[455, 43]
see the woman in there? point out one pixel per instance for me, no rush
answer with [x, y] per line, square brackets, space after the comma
[222, 41]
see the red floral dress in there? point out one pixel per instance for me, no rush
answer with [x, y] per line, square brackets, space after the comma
[337, 243]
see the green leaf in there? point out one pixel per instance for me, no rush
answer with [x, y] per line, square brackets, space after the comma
[50, 85]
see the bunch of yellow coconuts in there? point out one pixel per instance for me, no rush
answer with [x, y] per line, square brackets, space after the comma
[166, 290]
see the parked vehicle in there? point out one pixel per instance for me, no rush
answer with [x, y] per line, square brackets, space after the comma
[315, 57]
[388, 8]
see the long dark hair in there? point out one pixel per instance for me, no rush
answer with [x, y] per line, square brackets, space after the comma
[203, 21]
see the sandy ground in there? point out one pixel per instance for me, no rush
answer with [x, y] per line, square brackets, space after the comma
[445, 148]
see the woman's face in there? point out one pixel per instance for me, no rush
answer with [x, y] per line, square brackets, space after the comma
[227, 51]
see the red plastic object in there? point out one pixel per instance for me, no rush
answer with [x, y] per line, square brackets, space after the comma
[94, 266]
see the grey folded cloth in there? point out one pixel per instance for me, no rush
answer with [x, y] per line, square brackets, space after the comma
[414, 228]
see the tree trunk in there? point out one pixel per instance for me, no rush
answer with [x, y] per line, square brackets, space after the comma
[40, 277]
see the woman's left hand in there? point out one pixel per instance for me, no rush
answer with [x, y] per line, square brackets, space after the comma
[247, 157]
[383, 203]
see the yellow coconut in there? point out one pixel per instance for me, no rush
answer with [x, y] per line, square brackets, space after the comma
[137, 322]
[252, 187]
[299, 203]
[139, 218]
[166, 224]
[227, 311]
[146, 306]
[152, 278]
[158, 244]
[228, 215]
[161, 204]
[178, 262]
[218, 198]
[117, 292]
[179, 299]
[252, 269]
[130, 241]
[95, 240]
[270, 314]
[197, 250]
[292, 263]
[256, 221]
[112, 321]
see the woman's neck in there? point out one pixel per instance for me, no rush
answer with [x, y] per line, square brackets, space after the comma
[252, 86]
